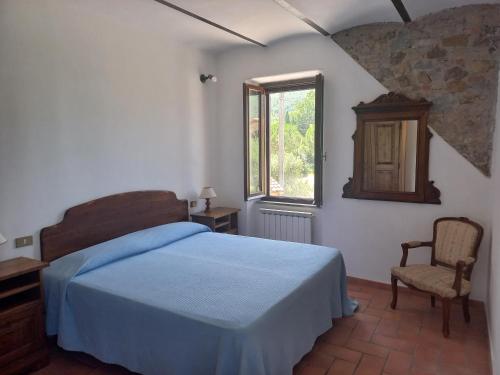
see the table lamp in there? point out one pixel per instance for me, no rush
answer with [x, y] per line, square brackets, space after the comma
[206, 193]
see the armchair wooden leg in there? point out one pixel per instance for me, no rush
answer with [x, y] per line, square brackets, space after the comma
[394, 282]
[433, 301]
[465, 306]
[446, 316]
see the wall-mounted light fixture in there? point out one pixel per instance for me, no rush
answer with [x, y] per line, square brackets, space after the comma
[210, 77]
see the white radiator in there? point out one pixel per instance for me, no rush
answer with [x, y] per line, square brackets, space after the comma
[284, 225]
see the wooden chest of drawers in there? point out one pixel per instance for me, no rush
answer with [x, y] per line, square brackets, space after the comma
[22, 332]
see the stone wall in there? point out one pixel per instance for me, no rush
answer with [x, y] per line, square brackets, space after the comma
[450, 58]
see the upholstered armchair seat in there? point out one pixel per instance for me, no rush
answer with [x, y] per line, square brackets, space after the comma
[433, 279]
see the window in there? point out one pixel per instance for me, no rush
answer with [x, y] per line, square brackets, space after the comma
[283, 140]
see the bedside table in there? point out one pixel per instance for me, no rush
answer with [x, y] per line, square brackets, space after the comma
[23, 344]
[219, 219]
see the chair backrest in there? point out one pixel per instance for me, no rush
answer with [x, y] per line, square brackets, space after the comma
[455, 238]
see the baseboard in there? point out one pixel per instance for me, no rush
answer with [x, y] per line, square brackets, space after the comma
[494, 370]
[403, 289]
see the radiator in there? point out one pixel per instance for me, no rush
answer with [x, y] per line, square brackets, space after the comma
[284, 225]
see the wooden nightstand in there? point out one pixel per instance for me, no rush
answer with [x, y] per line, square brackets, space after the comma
[219, 219]
[23, 345]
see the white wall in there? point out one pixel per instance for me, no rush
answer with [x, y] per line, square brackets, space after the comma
[368, 233]
[494, 286]
[91, 105]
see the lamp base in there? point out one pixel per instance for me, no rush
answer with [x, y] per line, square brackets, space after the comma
[207, 204]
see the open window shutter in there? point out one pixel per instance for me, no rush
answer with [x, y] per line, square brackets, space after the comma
[254, 140]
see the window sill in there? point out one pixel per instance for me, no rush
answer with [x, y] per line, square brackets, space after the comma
[254, 198]
[292, 204]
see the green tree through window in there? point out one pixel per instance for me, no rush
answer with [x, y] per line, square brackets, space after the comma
[254, 141]
[292, 117]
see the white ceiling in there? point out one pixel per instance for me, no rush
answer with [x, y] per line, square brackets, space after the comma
[262, 20]
[150, 17]
[337, 15]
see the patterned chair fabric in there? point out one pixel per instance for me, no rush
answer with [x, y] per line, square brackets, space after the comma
[437, 280]
[455, 241]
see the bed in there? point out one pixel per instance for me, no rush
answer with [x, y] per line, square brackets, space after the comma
[132, 282]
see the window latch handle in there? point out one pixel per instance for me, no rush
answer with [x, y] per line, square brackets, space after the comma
[324, 156]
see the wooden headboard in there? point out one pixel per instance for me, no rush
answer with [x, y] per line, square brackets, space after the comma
[106, 218]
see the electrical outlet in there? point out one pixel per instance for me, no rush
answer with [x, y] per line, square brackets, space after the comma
[24, 241]
[193, 204]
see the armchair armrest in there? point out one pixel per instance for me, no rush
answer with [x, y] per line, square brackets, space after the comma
[415, 244]
[411, 245]
[461, 266]
[469, 260]
[459, 271]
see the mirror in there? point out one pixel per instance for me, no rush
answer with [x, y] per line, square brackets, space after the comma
[390, 155]
[392, 151]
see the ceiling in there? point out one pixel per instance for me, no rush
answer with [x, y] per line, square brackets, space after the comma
[263, 21]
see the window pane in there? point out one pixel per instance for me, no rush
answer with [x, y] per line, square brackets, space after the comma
[292, 124]
[254, 143]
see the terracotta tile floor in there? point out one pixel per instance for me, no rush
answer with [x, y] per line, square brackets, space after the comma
[375, 341]
[408, 340]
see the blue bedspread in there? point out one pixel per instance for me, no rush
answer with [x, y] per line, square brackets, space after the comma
[179, 299]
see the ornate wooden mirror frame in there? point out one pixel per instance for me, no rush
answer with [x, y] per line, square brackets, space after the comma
[393, 107]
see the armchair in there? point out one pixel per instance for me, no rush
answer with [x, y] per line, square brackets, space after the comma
[455, 245]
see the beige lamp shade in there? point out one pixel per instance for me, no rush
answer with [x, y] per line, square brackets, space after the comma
[2, 239]
[207, 192]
